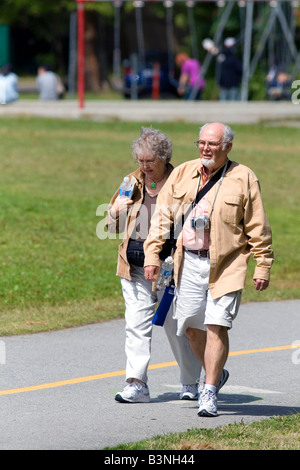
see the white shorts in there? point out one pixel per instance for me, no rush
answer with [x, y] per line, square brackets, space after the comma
[194, 306]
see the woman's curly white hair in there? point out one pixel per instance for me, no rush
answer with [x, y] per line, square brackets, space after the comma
[152, 142]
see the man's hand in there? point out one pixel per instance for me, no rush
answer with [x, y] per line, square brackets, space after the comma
[151, 273]
[261, 284]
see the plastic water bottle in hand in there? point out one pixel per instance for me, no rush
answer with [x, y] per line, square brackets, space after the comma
[165, 275]
[126, 187]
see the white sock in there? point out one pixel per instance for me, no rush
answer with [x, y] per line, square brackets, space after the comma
[212, 388]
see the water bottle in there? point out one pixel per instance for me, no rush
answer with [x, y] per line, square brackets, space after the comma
[125, 189]
[165, 275]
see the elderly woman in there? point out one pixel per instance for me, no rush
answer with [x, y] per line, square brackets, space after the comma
[152, 152]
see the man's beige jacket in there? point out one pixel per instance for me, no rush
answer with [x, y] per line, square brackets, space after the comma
[239, 225]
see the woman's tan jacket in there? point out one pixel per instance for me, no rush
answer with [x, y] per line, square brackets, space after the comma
[126, 222]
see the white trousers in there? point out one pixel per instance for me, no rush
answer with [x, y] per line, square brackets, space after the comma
[140, 303]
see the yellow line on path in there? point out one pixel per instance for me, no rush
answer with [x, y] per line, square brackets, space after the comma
[79, 380]
[275, 348]
[122, 372]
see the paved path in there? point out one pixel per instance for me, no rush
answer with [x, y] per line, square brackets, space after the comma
[158, 111]
[57, 389]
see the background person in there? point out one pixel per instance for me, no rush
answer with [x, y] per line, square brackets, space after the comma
[153, 152]
[210, 264]
[229, 71]
[278, 84]
[49, 84]
[8, 85]
[191, 82]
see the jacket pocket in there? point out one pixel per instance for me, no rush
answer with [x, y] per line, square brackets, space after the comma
[181, 200]
[178, 193]
[232, 210]
[180, 206]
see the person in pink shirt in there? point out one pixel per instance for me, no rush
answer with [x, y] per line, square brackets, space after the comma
[191, 82]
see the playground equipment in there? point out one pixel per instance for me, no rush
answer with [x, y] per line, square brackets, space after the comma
[278, 17]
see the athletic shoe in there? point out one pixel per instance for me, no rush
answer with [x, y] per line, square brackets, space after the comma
[189, 392]
[222, 380]
[207, 403]
[135, 392]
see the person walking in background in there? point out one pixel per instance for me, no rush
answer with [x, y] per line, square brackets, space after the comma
[191, 82]
[152, 151]
[229, 71]
[223, 227]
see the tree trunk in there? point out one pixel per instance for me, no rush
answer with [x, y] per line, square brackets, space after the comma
[92, 66]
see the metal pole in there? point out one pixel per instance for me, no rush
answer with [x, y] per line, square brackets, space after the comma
[217, 37]
[170, 43]
[117, 49]
[247, 51]
[133, 82]
[262, 42]
[138, 4]
[81, 61]
[286, 31]
[193, 34]
[72, 55]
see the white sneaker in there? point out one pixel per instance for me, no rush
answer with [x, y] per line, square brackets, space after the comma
[207, 403]
[189, 392]
[135, 392]
[222, 380]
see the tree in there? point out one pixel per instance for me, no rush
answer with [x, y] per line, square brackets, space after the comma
[48, 21]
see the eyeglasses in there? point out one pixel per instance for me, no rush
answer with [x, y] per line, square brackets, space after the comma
[146, 162]
[212, 145]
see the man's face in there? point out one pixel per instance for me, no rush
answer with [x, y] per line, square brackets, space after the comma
[213, 151]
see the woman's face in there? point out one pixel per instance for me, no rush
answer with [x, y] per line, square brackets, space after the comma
[152, 167]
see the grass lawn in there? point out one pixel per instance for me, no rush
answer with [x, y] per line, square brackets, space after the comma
[54, 174]
[276, 433]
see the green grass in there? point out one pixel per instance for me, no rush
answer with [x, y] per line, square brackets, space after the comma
[276, 433]
[54, 174]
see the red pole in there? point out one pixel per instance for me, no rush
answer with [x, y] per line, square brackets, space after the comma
[156, 81]
[80, 48]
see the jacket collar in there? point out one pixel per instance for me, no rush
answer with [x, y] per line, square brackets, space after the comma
[199, 170]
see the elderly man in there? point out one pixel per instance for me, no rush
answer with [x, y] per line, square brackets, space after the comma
[218, 233]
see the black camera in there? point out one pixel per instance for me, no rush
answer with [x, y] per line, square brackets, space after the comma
[200, 222]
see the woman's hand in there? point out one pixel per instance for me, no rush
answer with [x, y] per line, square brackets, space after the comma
[120, 205]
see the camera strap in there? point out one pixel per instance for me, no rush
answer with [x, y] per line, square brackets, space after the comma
[219, 176]
[200, 194]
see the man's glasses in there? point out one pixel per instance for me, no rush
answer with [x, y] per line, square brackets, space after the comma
[212, 145]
